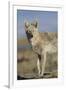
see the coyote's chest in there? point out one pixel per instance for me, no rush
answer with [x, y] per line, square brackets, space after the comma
[37, 45]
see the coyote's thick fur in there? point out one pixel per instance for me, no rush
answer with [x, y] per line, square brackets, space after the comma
[39, 45]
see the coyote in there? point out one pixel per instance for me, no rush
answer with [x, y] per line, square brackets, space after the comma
[39, 45]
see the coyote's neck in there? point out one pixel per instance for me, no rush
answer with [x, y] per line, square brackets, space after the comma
[36, 35]
[36, 40]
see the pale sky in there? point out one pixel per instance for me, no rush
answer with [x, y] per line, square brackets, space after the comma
[47, 20]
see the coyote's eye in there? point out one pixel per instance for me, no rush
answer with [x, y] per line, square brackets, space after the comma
[29, 31]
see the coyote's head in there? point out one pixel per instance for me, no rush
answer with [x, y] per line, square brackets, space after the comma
[31, 29]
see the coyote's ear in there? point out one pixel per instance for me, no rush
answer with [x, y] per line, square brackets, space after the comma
[26, 24]
[36, 24]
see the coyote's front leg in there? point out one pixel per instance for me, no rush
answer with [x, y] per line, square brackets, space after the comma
[38, 67]
[43, 63]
